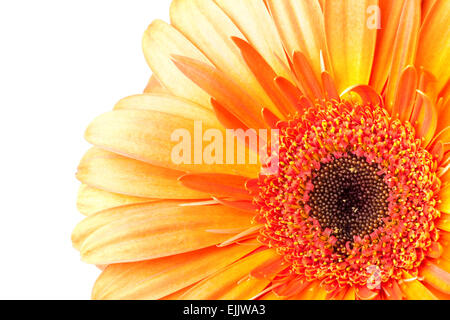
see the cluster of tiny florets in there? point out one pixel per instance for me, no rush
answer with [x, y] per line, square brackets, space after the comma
[354, 190]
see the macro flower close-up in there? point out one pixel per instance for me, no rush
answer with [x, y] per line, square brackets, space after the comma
[281, 150]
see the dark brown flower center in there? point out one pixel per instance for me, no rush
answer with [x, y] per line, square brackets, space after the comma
[349, 198]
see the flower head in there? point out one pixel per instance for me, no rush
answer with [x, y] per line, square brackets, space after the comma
[358, 206]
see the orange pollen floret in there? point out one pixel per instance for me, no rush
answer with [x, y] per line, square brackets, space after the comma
[355, 192]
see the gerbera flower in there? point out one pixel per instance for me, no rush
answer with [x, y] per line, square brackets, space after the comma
[359, 207]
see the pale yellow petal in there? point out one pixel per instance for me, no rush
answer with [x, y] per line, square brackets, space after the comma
[141, 232]
[155, 279]
[210, 29]
[91, 200]
[254, 21]
[147, 136]
[159, 43]
[114, 173]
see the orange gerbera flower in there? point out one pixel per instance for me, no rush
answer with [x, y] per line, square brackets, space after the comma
[359, 207]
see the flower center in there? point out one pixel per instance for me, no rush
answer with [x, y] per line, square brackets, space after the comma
[349, 197]
[355, 192]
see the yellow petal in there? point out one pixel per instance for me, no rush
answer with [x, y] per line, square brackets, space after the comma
[159, 43]
[154, 279]
[91, 200]
[350, 42]
[434, 43]
[147, 136]
[114, 173]
[210, 29]
[141, 232]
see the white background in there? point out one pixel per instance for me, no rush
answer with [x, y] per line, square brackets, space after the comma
[61, 64]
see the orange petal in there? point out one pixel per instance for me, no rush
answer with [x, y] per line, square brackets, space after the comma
[221, 88]
[392, 290]
[114, 173]
[292, 93]
[437, 293]
[158, 278]
[246, 205]
[155, 86]
[404, 47]
[222, 185]
[227, 119]
[199, 21]
[444, 199]
[350, 41]
[434, 250]
[424, 118]
[91, 200]
[270, 118]
[365, 293]
[306, 77]
[436, 277]
[291, 287]
[350, 294]
[270, 268]
[338, 294]
[233, 282]
[301, 28]
[247, 289]
[329, 87]
[443, 135]
[265, 75]
[427, 5]
[427, 84]
[443, 222]
[254, 21]
[141, 232]
[413, 289]
[249, 234]
[406, 94]
[313, 292]
[271, 296]
[366, 93]
[176, 295]
[434, 48]
[390, 17]
[147, 136]
[159, 43]
[444, 239]
[443, 109]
